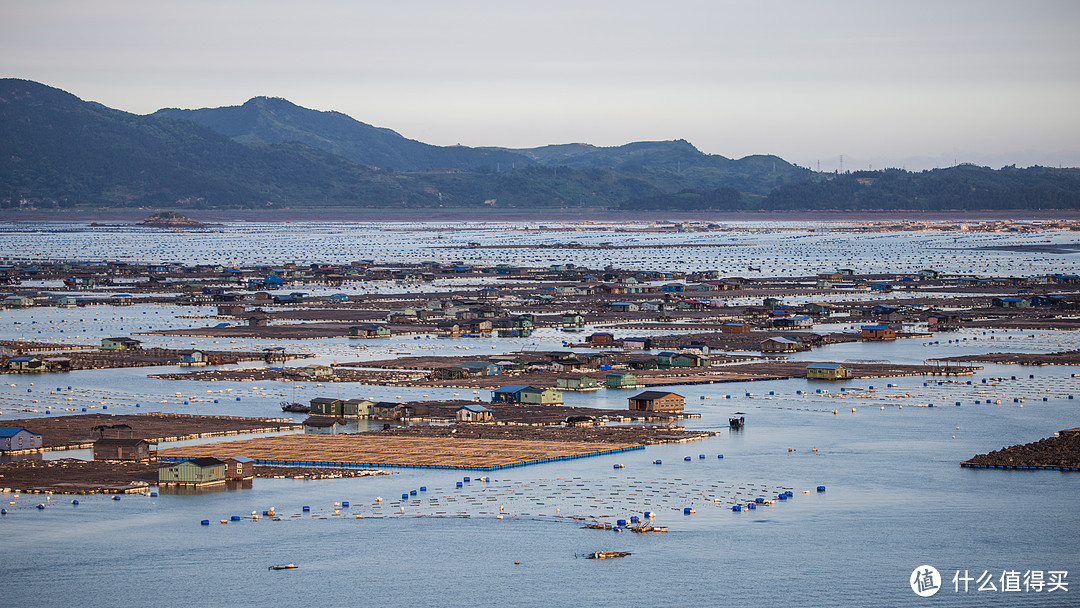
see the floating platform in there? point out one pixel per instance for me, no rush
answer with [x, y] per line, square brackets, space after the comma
[1033, 467]
[369, 451]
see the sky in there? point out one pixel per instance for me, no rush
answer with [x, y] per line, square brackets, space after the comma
[911, 84]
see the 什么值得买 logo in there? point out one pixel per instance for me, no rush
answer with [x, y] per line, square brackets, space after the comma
[925, 581]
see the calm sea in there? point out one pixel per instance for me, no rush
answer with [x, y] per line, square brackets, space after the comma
[896, 497]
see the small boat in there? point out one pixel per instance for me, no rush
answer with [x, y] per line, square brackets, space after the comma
[737, 422]
[293, 406]
[283, 567]
[607, 554]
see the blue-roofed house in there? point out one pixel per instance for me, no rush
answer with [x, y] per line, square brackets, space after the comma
[826, 371]
[14, 438]
[511, 393]
[878, 332]
[25, 364]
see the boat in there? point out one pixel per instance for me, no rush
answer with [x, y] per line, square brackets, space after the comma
[293, 406]
[737, 422]
[607, 554]
[283, 567]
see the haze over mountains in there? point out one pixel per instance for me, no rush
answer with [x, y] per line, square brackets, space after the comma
[59, 151]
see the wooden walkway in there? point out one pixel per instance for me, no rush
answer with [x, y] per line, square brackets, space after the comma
[366, 450]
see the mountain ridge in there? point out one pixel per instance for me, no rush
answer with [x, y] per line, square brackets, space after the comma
[58, 151]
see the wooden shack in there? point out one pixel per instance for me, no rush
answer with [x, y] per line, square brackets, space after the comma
[878, 332]
[122, 449]
[473, 413]
[193, 472]
[658, 401]
[325, 406]
[239, 467]
[826, 371]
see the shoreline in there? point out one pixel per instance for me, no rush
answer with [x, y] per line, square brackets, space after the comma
[339, 214]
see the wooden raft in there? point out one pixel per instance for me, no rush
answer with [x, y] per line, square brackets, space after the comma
[381, 451]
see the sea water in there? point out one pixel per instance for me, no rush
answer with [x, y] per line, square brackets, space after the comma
[896, 497]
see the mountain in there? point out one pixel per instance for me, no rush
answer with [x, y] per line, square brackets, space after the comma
[55, 147]
[58, 151]
[964, 187]
[271, 120]
[668, 164]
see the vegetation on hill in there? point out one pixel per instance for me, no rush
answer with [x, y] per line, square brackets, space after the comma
[57, 151]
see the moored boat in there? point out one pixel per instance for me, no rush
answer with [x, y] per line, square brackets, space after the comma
[293, 406]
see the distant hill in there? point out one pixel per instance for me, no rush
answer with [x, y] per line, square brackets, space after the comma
[964, 187]
[271, 120]
[58, 151]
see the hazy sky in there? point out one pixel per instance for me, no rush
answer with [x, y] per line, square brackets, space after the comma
[882, 83]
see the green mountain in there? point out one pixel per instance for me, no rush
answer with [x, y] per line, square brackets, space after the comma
[271, 120]
[666, 164]
[57, 151]
[964, 187]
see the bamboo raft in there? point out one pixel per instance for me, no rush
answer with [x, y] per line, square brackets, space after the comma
[367, 451]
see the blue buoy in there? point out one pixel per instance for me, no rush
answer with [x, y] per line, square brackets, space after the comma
[153, 494]
[104, 407]
[404, 497]
[305, 508]
[345, 504]
[459, 484]
[205, 522]
[759, 500]
[423, 488]
[657, 461]
[40, 506]
[412, 492]
[736, 507]
[634, 519]
[616, 529]
[686, 458]
[116, 498]
[75, 502]
[821, 488]
[620, 522]
[648, 514]
[751, 505]
[686, 510]
[701, 456]
[266, 513]
[721, 456]
[237, 398]
[235, 518]
[789, 493]
[781, 496]
[466, 480]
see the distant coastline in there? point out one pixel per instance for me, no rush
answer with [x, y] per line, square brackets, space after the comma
[337, 214]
